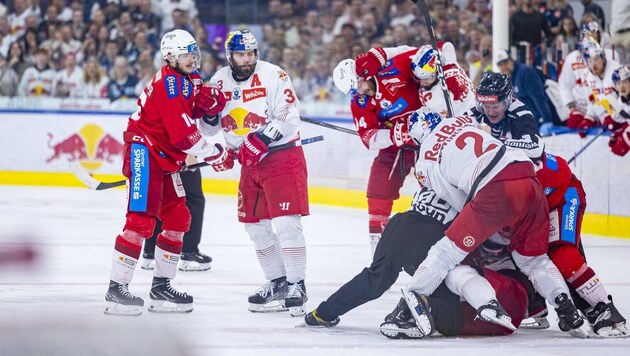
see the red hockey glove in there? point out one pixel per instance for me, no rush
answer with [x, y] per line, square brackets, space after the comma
[252, 148]
[399, 133]
[217, 157]
[225, 162]
[457, 82]
[368, 63]
[611, 125]
[585, 125]
[208, 101]
[575, 117]
[621, 145]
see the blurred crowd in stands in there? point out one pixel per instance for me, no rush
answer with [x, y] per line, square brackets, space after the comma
[110, 48]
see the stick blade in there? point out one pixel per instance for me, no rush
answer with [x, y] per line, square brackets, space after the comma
[86, 178]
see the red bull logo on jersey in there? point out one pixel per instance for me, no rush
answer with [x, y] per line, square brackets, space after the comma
[445, 135]
[91, 146]
[241, 122]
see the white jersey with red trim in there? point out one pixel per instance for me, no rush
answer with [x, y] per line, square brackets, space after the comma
[36, 83]
[603, 99]
[455, 154]
[266, 97]
[459, 85]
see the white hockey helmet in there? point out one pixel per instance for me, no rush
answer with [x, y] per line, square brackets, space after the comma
[240, 41]
[620, 74]
[345, 76]
[424, 63]
[178, 42]
[421, 124]
[590, 48]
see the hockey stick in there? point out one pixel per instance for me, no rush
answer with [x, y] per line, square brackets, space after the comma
[422, 4]
[585, 146]
[86, 177]
[329, 126]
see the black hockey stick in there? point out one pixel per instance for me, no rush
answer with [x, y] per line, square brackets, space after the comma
[422, 4]
[86, 177]
[329, 126]
[585, 146]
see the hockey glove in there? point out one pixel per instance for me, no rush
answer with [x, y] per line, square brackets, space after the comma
[208, 101]
[225, 161]
[620, 142]
[219, 156]
[368, 63]
[399, 133]
[611, 125]
[252, 148]
[575, 118]
[585, 125]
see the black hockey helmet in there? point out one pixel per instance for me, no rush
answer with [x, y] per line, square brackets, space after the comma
[494, 88]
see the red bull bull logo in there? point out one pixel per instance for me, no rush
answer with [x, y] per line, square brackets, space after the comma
[241, 122]
[91, 146]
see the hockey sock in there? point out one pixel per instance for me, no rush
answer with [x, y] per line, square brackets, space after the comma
[378, 216]
[578, 274]
[267, 248]
[293, 246]
[168, 248]
[124, 259]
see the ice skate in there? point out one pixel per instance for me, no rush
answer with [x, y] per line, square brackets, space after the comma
[493, 312]
[538, 321]
[165, 299]
[569, 319]
[296, 298]
[312, 319]
[606, 321]
[400, 324]
[121, 302]
[419, 307]
[148, 261]
[194, 261]
[270, 297]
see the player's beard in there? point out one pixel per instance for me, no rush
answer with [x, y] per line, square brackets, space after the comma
[243, 72]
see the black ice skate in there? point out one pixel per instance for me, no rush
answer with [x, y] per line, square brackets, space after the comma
[419, 307]
[538, 321]
[296, 298]
[121, 302]
[569, 319]
[148, 261]
[400, 324]
[493, 312]
[194, 261]
[270, 297]
[606, 321]
[312, 319]
[165, 299]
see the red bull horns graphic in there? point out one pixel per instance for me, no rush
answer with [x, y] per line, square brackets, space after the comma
[241, 121]
[91, 146]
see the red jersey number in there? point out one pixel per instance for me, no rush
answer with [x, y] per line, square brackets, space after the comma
[290, 97]
[477, 139]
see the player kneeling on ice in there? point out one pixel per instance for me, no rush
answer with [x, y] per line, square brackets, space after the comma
[404, 245]
[159, 136]
[494, 187]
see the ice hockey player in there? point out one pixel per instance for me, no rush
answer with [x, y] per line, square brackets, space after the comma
[510, 121]
[159, 136]
[487, 181]
[620, 139]
[381, 103]
[404, 245]
[262, 111]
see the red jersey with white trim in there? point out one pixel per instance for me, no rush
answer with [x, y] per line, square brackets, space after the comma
[396, 97]
[555, 178]
[163, 119]
[267, 97]
[455, 154]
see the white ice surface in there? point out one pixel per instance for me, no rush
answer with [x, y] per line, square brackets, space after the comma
[55, 306]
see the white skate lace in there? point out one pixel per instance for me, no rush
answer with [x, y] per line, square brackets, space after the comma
[266, 289]
[124, 290]
[295, 291]
[174, 291]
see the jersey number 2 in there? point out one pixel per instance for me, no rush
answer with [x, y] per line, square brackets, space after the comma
[478, 143]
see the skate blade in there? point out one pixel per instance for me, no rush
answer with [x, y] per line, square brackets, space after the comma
[581, 332]
[148, 265]
[297, 311]
[163, 306]
[490, 316]
[271, 307]
[193, 266]
[392, 331]
[613, 332]
[423, 322]
[535, 323]
[122, 310]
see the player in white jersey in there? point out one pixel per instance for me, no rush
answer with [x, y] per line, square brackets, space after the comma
[620, 139]
[458, 84]
[38, 79]
[262, 111]
[495, 187]
[573, 89]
